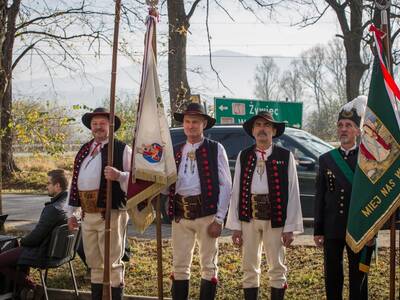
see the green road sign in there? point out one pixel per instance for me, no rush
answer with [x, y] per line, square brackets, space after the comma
[236, 111]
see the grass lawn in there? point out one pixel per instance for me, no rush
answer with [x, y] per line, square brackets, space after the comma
[305, 275]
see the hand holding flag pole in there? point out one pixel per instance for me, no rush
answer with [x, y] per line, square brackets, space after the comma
[107, 233]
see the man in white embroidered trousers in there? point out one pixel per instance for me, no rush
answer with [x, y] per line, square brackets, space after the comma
[265, 205]
[88, 193]
[198, 203]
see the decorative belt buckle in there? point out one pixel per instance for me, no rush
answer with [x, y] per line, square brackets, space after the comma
[185, 208]
[254, 206]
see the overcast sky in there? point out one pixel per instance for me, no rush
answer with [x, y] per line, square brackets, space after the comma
[276, 36]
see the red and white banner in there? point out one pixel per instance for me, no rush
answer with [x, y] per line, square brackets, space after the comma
[153, 163]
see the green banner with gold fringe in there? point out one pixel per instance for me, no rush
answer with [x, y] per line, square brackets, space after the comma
[376, 186]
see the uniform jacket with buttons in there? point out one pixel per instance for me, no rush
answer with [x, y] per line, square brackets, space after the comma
[333, 193]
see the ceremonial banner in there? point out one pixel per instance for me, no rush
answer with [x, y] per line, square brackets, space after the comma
[153, 163]
[376, 186]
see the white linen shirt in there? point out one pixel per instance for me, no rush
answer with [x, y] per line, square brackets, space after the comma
[259, 185]
[90, 174]
[188, 184]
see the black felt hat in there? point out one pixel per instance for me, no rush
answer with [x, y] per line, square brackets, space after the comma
[279, 126]
[195, 109]
[100, 111]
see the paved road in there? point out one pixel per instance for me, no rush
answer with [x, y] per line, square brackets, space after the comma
[23, 207]
[24, 211]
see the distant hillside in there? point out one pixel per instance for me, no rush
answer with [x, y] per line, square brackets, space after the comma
[236, 70]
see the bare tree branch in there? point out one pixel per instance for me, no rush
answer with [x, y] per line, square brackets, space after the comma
[225, 10]
[192, 9]
[209, 49]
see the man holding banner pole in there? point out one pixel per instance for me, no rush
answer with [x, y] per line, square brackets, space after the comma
[334, 186]
[198, 203]
[88, 194]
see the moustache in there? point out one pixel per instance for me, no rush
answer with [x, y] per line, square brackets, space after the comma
[261, 133]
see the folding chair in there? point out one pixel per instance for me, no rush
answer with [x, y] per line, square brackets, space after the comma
[62, 249]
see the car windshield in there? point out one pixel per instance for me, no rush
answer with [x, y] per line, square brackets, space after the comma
[313, 144]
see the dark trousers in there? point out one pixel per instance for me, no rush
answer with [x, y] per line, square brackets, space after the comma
[8, 265]
[333, 265]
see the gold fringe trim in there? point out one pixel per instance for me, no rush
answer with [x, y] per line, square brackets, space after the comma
[157, 177]
[151, 191]
[363, 268]
[171, 179]
[147, 193]
[357, 246]
[142, 219]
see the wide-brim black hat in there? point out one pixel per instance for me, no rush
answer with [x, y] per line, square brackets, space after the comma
[100, 111]
[279, 126]
[195, 109]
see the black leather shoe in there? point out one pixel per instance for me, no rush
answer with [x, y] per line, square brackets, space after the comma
[97, 291]
[251, 293]
[208, 290]
[277, 294]
[117, 293]
[180, 289]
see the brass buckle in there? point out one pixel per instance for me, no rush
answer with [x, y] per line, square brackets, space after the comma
[185, 207]
[254, 206]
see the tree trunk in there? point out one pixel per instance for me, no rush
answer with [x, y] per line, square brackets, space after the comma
[7, 45]
[179, 90]
[3, 13]
[355, 68]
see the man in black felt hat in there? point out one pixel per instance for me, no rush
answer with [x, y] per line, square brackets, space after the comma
[88, 194]
[265, 205]
[198, 202]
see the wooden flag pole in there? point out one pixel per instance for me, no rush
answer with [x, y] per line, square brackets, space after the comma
[153, 11]
[385, 10]
[107, 233]
[159, 250]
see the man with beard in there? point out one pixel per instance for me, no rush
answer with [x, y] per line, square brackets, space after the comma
[332, 201]
[88, 193]
[198, 203]
[34, 246]
[265, 205]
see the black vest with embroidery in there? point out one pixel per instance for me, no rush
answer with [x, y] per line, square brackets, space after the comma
[118, 195]
[207, 165]
[277, 174]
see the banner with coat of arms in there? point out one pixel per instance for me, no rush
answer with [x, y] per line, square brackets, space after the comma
[153, 163]
[376, 186]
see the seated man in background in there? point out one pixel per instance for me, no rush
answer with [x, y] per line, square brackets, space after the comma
[34, 245]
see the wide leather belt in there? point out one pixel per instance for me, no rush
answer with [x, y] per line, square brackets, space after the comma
[89, 202]
[188, 207]
[261, 207]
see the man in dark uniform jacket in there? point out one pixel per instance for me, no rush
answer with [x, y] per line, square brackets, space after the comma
[333, 193]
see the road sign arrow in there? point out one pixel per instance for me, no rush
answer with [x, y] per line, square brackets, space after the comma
[222, 108]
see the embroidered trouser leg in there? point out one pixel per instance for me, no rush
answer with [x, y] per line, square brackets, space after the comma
[256, 233]
[184, 235]
[93, 243]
